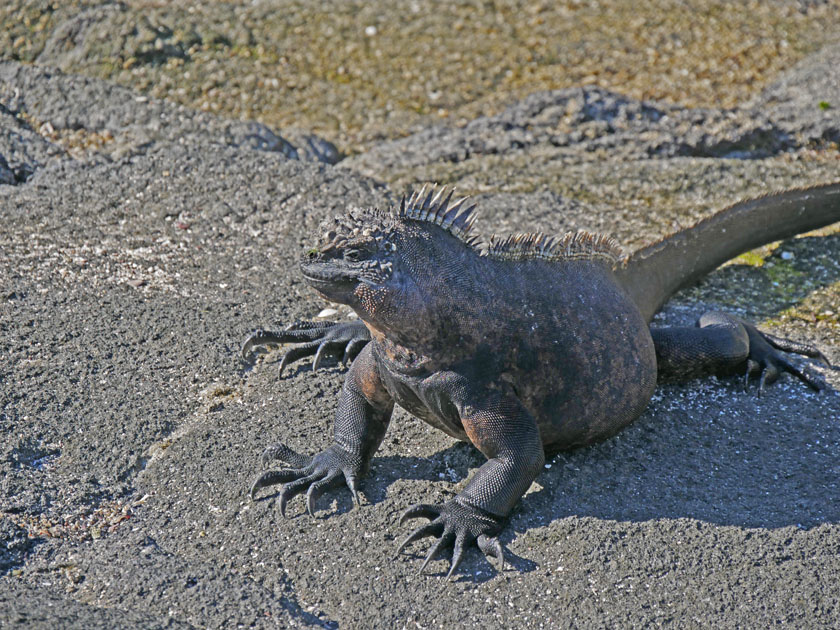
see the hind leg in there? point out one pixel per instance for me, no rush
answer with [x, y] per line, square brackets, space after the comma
[722, 343]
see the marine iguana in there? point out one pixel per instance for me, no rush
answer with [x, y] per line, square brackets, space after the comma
[524, 345]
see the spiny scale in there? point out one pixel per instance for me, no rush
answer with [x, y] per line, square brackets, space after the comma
[435, 208]
[571, 245]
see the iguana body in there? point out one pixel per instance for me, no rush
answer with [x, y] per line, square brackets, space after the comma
[526, 345]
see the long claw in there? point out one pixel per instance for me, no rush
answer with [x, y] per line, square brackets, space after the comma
[296, 353]
[420, 510]
[352, 349]
[257, 338]
[273, 477]
[317, 489]
[316, 362]
[752, 366]
[500, 554]
[768, 375]
[435, 528]
[788, 345]
[802, 376]
[354, 489]
[492, 547]
[457, 554]
[295, 488]
[443, 542]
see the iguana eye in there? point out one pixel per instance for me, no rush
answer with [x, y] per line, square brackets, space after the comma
[353, 255]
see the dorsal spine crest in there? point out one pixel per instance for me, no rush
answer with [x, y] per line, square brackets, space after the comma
[569, 246]
[458, 219]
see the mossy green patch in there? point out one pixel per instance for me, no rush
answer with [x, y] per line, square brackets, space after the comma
[753, 259]
[787, 280]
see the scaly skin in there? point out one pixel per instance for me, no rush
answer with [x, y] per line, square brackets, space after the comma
[528, 346]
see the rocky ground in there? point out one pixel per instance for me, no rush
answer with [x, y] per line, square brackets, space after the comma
[162, 169]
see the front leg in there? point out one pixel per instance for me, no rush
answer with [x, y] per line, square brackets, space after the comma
[501, 428]
[345, 339]
[361, 420]
[722, 343]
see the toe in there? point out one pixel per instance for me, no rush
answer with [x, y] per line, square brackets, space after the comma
[420, 510]
[442, 543]
[283, 453]
[492, 546]
[435, 528]
[273, 477]
[295, 488]
[457, 554]
[318, 488]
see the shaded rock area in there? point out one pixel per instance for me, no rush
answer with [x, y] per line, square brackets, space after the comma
[142, 241]
[22, 149]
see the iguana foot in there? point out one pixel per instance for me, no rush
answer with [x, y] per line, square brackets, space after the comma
[767, 359]
[345, 339]
[312, 475]
[455, 525]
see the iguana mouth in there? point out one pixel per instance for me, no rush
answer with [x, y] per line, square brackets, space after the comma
[333, 283]
[326, 274]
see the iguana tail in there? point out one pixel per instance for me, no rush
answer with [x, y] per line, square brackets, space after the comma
[654, 273]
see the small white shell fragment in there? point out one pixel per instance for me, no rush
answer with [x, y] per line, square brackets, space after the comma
[328, 312]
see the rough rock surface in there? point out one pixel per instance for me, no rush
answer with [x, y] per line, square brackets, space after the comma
[141, 242]
[799, 110]
[56, 102]
[358, 72]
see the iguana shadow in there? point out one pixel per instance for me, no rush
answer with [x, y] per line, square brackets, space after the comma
[711, 452]
[761, 465]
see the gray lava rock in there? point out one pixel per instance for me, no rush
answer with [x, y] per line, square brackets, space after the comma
[15, 544]
[805, 102]
[587, 120]
[72, 102]
[312, 148]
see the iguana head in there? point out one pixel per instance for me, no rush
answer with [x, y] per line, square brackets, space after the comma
[353, 252]
[370, 259]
